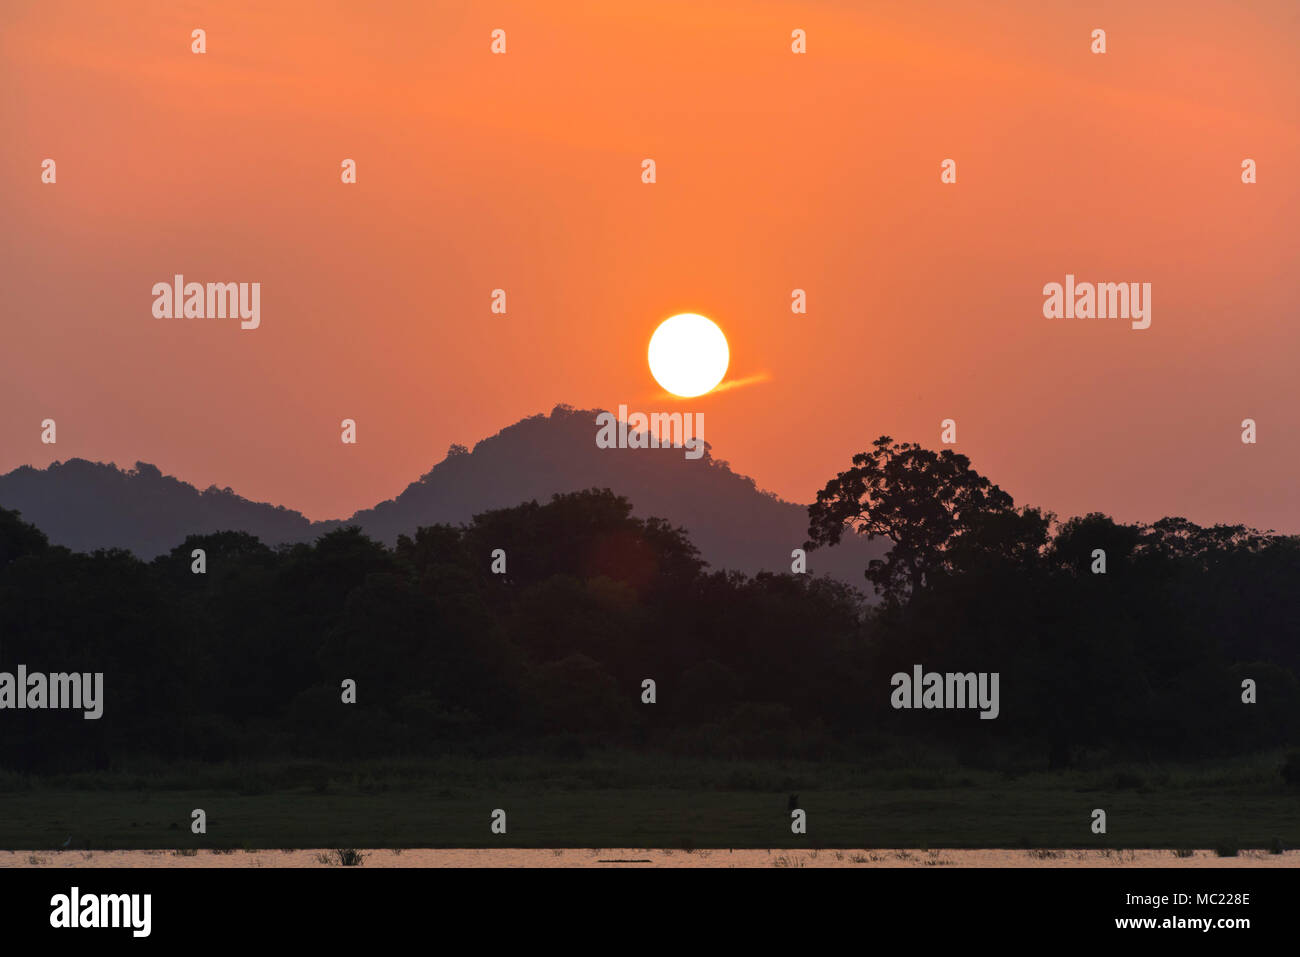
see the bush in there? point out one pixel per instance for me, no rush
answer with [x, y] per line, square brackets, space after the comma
[346, 856]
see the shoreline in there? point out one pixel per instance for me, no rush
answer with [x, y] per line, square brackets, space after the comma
[650, 857]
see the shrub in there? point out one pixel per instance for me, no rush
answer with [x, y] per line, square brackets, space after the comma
[349, 857]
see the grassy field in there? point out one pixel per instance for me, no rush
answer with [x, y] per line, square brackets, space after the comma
[629, 801]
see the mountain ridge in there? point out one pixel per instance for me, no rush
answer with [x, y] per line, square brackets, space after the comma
[735, 524]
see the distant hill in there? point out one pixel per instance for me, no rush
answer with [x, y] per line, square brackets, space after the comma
[87, 505]
[732, 522]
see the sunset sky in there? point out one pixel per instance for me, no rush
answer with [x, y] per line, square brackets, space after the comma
[775, 171]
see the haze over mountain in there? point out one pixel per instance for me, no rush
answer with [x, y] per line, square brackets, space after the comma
[86, 505]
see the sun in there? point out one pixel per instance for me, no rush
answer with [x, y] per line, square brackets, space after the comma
[688, 355]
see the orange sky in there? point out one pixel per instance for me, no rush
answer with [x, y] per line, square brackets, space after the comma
[775, 171]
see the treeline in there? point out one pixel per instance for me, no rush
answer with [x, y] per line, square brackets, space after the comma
[247, 660]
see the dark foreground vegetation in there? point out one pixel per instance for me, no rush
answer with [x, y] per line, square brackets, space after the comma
[1114, 682]
[632, 799]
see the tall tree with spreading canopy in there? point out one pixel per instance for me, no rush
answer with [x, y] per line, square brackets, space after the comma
[922, 501]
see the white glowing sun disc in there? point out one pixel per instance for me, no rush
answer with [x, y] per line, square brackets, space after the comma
[688, 355]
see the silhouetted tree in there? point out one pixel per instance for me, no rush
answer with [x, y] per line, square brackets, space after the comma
[17, 538]
[922, 501]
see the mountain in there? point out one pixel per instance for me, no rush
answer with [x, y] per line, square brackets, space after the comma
[89, 505]
[731, 522]
[86, 505]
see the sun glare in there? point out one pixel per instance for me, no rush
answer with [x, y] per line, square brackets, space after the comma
[688, 355]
